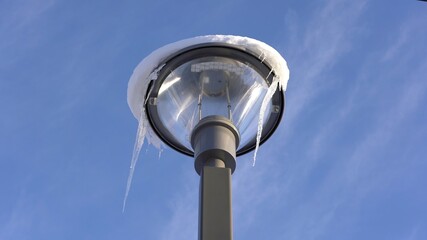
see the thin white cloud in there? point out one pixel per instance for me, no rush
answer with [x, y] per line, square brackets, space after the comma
[184, 218]
[413, 235]
[326, 39]
[17, 21]
[354, 175]
[20, 219]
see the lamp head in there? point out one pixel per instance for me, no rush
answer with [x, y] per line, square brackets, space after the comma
[212, 79]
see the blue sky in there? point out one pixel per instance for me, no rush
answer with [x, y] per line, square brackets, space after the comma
[347, 162]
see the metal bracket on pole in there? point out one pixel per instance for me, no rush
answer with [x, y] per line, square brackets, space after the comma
[215, 137]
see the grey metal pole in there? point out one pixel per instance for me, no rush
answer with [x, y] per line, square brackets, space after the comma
[214, 140]
[215, 212]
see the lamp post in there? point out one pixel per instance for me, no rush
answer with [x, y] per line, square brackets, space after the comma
[205, 102]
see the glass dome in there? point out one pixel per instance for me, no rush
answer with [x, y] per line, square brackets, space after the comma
[191, 88]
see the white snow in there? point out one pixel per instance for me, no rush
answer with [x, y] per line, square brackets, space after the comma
[149, 67]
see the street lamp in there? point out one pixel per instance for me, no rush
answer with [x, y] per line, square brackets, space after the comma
[208, 98]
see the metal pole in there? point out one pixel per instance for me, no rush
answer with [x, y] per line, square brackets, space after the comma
[214, 140]
[215, 213]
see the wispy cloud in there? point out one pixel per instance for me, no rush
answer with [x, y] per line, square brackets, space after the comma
[184, 217]
[327, 36]
[353, 177]
[413, 235]
[17, 21]
[20, 218]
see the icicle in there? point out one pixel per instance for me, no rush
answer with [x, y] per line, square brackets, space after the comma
[139, 141]
[160, 152]
[262, 56]
[270, 92]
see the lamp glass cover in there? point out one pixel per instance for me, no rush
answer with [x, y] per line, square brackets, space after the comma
[212, 86]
